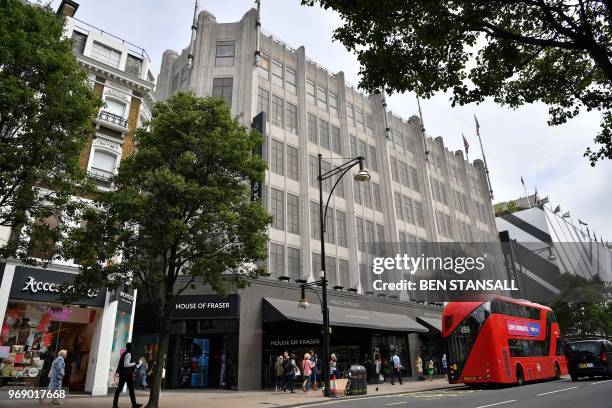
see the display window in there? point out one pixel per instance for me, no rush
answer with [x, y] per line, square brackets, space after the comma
[33, 333]
[121, 336]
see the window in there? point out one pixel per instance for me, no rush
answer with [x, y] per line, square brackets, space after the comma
[107, 55]
[292, 163]
[394, 172]
[407, 210]
[354, 152]
[322, 95]
[350, 114]
[335, 140]
[315, 222]
[369, 121]
[360, 237]
[103, 165]
[316, 264]
[310, 92]
[264, 67]
[277, 260]
[115, 107]
[377, 198]
[223, 87]
[290, 80]
[372, 163]
[339, 187]
[404, 175]
[418, 214]
[78, 42]
[330, 235]
[341, 228]
[312, 128]
[294, 263]
[277, 73]
[291, 118]
[363, 152]
[313, 170]
[414, 179]
[380, 233]
[224, 56]
[330, 269]
[277, 111]
[398, 205]
[44, 243]
[333, 103]
[343, 273]
[133, 65]
[370, 234]
[263, 100]
[277, 208]
[365, 278]
[293, 214]
[359, 117]
[324, 134]
[365, 194]
[357, 192]
[277, 164]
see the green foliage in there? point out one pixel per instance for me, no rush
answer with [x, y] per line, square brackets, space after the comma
[181, 211]
[557, 52]
[506, 208]
[45, 117]
[583, 308]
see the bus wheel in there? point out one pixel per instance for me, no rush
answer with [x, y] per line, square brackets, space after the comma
[520, 379]
[557, 371]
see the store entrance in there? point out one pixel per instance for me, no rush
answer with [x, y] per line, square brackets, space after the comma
[201, 362]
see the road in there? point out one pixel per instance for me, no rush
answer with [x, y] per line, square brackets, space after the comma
[558, 394]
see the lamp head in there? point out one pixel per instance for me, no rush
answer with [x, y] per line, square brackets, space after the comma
[303, 302]
[363, 174]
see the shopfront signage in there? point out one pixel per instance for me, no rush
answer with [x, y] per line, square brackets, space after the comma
[205, 306]
[344, 303]
[519, 328]
[125, 299]
[48, 286]
[285, 342]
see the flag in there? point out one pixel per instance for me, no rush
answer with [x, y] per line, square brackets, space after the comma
[477, 126]
[581, 222]
[465, 144]
[557, 209]
[588, 233]
[522, 181]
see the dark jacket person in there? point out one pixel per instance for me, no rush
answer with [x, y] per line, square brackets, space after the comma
[125, 370]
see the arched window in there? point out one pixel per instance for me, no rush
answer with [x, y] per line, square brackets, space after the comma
[115, 107]
[103, 164]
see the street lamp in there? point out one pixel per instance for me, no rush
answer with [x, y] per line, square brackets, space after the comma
[339, 171]
[551, 257]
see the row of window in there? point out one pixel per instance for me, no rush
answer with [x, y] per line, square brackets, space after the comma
[285, 78]
[313, 172]
[335, 225]
[336, 270]
[461, 202]
[438, 189]
[444, 224]
[106, 54]
[293, 261]
[409, 210]
[324, 134]
[367, 194]
[368, 234]
[290, 223]
[281, 113]
[402, 141]
[404, 174]
[367, 151]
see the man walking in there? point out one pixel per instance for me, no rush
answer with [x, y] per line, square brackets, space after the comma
[125, 369]
[396, 366]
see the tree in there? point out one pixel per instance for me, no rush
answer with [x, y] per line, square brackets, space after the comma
[516, 52]
[180, 213]
[46, 107]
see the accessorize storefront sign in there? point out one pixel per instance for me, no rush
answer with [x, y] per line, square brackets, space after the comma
[45, 285]
[205, 306]
[520, 328]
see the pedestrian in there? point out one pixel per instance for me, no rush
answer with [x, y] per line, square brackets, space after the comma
[280, 373]
[430, 369]
[56, 376]
[378, 365]
[333, 366]
[419, 369]
[396, 368]
[444, 364]
[307, 372]
[125, 370]
[315, 370]
[289, 369]
[367, 364]
[141, 373]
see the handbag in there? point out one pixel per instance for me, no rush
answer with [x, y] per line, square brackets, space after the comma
[381, 377]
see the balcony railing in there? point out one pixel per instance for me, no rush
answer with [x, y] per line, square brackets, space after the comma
[112, 118]
[101, 177]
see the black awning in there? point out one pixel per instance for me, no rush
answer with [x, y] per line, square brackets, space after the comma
[431, 322]
[276, 310]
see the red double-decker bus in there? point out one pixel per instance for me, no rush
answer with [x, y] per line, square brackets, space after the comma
[502, 340]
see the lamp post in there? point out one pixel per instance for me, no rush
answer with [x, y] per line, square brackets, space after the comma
[339, 171]
[551, 257]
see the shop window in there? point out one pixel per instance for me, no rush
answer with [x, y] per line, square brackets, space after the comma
[224, 56]
[107, 55]
[102, 165]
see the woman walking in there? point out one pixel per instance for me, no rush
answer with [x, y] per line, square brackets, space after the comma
[141, 373]
[56, 376]
[430, 369]
[378, 366]
[307, 371]
[419, 368]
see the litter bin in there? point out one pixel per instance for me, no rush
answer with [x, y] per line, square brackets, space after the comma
[358, 384]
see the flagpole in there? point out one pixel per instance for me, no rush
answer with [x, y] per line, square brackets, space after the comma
[526, 193]
[258, 27]
[484, 159]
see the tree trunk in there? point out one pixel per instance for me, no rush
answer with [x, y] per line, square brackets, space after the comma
[160, 360]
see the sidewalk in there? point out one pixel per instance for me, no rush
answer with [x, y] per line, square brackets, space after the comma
[228, 399]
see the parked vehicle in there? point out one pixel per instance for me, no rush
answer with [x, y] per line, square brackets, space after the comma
[588, 358]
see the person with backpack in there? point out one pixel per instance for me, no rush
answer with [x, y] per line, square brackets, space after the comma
[125, 370]
[289, 368]
[396, 368]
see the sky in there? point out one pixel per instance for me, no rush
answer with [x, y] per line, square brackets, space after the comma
[516, 142]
